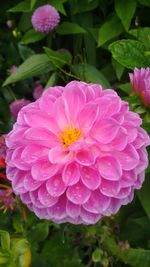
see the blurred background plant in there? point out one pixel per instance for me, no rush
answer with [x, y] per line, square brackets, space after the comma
[95, 41]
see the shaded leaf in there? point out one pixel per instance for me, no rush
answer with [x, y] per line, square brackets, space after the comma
[125, 11]
[89, 73]
[144, 196]
[58, 4]
[32, 36]
[136, 257]
[33, 66]
[130, 53]
[70, 28]
[109, 30]
[142, 34]
[58, 58]
[21, 7]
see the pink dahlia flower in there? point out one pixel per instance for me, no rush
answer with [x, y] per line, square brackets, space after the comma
[45, 18]
[16, 105]
[140, 80]
[76, 154]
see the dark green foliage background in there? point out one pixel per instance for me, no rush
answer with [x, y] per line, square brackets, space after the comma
[97, 41]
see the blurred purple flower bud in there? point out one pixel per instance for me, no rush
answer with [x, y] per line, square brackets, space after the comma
[16, 105]
[45, 18]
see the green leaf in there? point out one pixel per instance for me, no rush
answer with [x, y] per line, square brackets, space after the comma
[89, 73]
[144, 196]
[125, 11]
[136, 257]
[130, 53]
[97, 255]
[25, 52]
[5, 240]
[32, 36]
[58, 4]
[84, 6]
[125, 87]
[52, 80]
[32, 3]
[58, 58]
[119, 69]
[70, 28]
[33, 66]
[21, 7]
[146, 126]
[19, 246]
[39, 232]
[144, 2]
[142, 34]
[109, 30]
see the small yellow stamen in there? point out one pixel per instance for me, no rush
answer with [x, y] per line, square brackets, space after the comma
[70, 135]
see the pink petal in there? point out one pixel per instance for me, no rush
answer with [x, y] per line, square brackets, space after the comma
[113, 106]
[60, 111]
[75, 99]
[124, 193]
[25, 198]
[128, 158]
[46, 104]
[60, 155]
[72, 209]
[87, 117]
[17, 182]
[45, 198]
[40, 134]
[109, 188]
[104, 131]
[71, 174]
[120, 141]
[114, 206]
[88, 217]
[132, 118]
[97, 203]
[109, 168]
[35, 199]
[31, 153]
[143, 161]
[140, 180]
[58, 211]
[55, 186]
[131, 132]
[90, 178]
[43, 170]
[30, 184]
[17, 161]
[40, 121]
[78, 193]
[13, 138]
[41, 213]
[128, 178]
[85, 157]
[103, 105]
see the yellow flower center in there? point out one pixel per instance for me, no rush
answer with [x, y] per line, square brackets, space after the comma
[70, 135]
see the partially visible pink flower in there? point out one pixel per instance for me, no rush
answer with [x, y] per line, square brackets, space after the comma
[16, 105]
[7, 200]
[38, 90]
[13, 69]
[140, 80]
[45, 18]
[9, 23]
[2, 148]
[76, 154]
